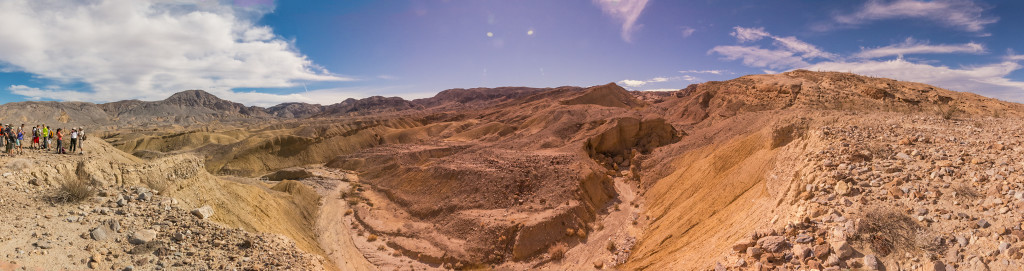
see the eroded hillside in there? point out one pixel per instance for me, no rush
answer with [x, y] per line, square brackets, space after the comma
[794, 170]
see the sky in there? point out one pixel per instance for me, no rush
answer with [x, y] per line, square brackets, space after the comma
[266, 52]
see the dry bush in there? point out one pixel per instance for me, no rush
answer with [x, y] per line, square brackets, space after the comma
[949, 112]
[74, 190]
[611, 246]
[371, 237]
[965, 192]
[889, 231]
[557, 251]
[19, 164]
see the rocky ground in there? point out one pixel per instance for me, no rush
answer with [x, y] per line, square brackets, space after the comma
[902, 192]
[122, 228]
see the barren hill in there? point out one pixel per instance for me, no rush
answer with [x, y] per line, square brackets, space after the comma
[798, 170]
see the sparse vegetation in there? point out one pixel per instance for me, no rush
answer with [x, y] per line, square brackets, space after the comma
[74, 190]
[611, 246]
[19, 164]
[889, 231]
[557, 251]
[949, 112]
[965, 192]
[371, 237]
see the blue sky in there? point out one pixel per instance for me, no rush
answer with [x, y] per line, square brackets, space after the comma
[264, 52]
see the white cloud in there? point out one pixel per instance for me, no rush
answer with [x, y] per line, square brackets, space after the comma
[769, 71]
[639, 83]
[626, 11]
[716, 72]
[962, 14]
[744, 34]
[757, 57]
[633, 83]
[791, 44]
[989, 80]
[910, 46]
[147, 49]
[661, 89]
[687, 31]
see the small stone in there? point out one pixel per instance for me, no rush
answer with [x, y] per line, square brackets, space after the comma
[742, 245]
[44, 244]
[821, 251]
[178, 237]
[203, 212]
[145, 196]
[960, 239]
[1003, 246]
[773, 243]
[934, 266]
[142, 237]
[803, 238]
[870, 262]
[982, 223]
[842, 249]
[754, 252]
[100, 233]
[842, 188]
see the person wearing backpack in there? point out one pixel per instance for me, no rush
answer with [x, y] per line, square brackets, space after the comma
[81, 139]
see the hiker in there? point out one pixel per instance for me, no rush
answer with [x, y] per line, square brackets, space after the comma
[20, 139]
[11, 137]
[81, 139]
[3, 137]
[74, 139]
[47, 137]
[35, 138]
[60, 141]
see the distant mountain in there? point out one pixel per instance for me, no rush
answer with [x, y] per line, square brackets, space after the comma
[198, 106]
[295, 110]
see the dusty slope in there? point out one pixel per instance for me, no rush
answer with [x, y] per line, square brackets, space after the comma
[287, 209]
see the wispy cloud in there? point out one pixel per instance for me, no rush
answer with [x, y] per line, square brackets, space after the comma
[716, 72]
[640, 83]
[688, 31]
[146, 49]
[757, 57]
[633, 83]
[911, 46]
[791, 44]
[960, 14]
[626, 12]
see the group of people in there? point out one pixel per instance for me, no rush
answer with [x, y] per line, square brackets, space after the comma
[42, 139]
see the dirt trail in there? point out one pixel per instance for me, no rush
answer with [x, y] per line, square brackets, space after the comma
[334, 234]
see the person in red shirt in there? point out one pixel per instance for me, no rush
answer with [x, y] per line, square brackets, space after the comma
[60, 141]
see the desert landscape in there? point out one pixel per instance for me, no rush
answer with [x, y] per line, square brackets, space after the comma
[798, 170]
[584, 135]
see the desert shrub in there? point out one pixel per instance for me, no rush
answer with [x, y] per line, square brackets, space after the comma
[949, 112]
[965, 192]
[557, 251]
[889, 231]
[74, 190]
[19, 164]
[371, 237]
[611, 246]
